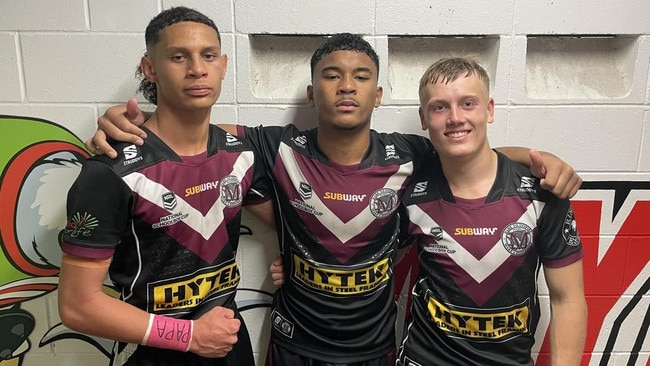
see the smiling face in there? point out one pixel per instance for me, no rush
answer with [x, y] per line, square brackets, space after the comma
[456, 114]
[186, 65]
[344, 90]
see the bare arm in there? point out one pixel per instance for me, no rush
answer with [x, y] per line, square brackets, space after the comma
[568, 326]
[263, 212]
[84, 307]
[557, 176]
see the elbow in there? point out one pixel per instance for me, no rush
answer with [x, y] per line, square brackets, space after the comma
[71, 317]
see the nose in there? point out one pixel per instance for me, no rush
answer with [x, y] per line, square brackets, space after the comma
[454, 114]
[196, 67]
[347, 85]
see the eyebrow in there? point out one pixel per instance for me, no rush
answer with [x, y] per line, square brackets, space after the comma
[185, 49]
[338, 69]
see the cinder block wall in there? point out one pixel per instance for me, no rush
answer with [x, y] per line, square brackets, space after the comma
[570, 77]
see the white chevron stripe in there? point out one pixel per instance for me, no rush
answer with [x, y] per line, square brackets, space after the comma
[204, 225]
[476, 268]
[344, 231]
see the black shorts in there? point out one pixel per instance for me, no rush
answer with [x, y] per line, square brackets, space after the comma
[280, 356]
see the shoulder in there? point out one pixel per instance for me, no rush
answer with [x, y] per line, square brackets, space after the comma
[131, 157]
[406, 144]
[517, 179]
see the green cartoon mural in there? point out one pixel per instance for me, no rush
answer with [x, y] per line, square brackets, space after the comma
[39, 160]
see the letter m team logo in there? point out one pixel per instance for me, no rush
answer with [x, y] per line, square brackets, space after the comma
[383, 202]
[231, 194]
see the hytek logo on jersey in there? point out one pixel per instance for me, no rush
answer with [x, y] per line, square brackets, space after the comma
[231, 194]
[569, 229]
[383, 202]
[169, 201]
[526, 185]
[191, 290]
[481, 324]
[517, 238]
[340, 282]
[131, 155]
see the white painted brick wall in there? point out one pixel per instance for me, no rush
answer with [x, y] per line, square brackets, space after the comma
[68, 60]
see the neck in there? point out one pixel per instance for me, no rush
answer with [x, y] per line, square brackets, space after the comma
[470, 177]
[345, 147]
[185, 132]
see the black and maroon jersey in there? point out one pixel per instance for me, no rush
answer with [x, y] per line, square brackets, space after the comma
[338, 229]
[171, 223]
[475, 301]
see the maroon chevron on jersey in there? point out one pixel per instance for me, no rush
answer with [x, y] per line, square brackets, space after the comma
[475, 301]
[340, 227]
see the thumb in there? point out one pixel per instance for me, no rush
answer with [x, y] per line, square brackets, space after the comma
[537, 164]
[277, 261]
[132, 109]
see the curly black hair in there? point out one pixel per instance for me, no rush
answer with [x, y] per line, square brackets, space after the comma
[344, 42]
[152, 36]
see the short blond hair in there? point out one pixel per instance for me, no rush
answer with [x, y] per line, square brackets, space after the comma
[449, 69]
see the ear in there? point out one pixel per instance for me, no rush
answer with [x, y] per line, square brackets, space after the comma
[490, 110]
[225, 66]
[380, 93]
[423, 122]
[310, 95]
[147, 69]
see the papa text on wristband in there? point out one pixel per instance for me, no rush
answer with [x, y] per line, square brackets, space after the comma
[168, 333]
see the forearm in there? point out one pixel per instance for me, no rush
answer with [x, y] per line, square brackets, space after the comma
[568, 331]
[104, 316]
[86, 308]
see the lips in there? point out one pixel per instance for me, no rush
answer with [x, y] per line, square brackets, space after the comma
[347, 104]
[457, 134]
[198, 90]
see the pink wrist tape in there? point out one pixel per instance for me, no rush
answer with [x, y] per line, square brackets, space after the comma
[168, 333]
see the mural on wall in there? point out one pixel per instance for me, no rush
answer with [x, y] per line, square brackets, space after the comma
[37, 158]
[40, 159]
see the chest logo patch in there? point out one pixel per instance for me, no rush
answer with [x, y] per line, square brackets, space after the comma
[231, 194]
[383, 202]
[169, 201]
[517, 238]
